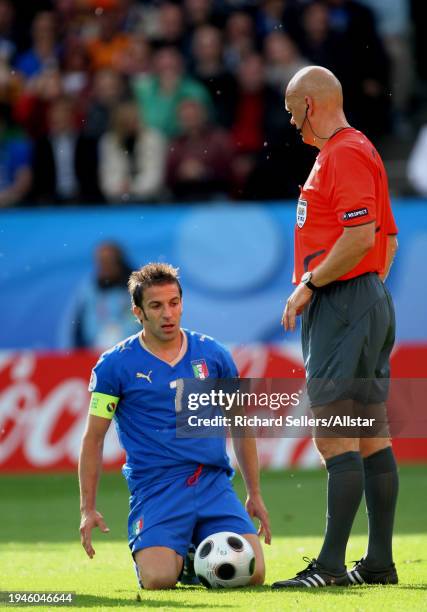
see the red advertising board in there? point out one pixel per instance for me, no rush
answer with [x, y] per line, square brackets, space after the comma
[44, 399]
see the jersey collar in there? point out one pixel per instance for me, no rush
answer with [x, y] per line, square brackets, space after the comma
[182, 352]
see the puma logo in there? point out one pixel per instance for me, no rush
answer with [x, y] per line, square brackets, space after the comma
[146, 376]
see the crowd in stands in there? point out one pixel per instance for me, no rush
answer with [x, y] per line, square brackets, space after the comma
[120, 101]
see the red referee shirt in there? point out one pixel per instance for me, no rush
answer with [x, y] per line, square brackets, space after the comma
[347, 186]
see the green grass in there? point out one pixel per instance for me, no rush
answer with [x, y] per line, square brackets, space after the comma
[40, 549]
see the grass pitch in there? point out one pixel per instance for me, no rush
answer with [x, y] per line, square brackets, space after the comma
[40, 549]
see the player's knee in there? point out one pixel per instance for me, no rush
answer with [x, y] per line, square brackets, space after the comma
[258, 577]
[154, 579]
[157, 582]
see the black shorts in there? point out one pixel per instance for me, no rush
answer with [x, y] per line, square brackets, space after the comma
[348, 332]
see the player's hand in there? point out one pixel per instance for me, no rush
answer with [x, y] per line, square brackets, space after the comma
[295, 305]
[255, 507]
[89, 521]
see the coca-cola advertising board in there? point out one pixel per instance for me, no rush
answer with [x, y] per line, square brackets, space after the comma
[44, 400]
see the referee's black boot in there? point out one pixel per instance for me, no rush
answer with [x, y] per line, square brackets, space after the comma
[361, 574]
[313, 576]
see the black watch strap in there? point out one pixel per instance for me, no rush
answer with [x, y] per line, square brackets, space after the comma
[310, 285]
[307, 281]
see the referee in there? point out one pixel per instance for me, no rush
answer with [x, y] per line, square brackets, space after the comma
[345, 241]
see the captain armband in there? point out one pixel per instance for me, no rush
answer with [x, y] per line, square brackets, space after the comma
[103, 405]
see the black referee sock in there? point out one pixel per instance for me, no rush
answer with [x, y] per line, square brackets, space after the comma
[381, 489]
[345, 490]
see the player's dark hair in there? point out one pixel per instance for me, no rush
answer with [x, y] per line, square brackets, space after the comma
[151, 275]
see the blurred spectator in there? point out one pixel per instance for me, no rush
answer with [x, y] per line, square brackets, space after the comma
[103, 314]
[170, 27]
[393, 22]
[419, 15]
[270, 16]
[65, 161]
[209, 69]
[11, 83]
[341, 36]
[108, 90]
[239, 39]
[320, 44]
[98, 51]
[198, 13]
[248, 127]
[75, 69]
[7, 35]
[199, 163]
[365, 75]
[417, 164]
[159, 95]
[282, 59]
[32, 106]
[132, 158]
[264, 166]
[44, 51]
[107, 46]
[27, 12]
[133, 16]
[15, 161]
[136, 58]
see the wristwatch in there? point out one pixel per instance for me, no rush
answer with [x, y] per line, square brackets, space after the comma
[306, 280]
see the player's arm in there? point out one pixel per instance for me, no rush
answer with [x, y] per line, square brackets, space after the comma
[90, 464]
[392, 246]
[247, 457]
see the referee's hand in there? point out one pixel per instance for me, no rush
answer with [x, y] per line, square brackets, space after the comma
[295, 305]
[90, 520]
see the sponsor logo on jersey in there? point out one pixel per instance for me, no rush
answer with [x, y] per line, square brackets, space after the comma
[355, 214]
[301, 212]
[92, 382]
[200, 369]
[146, 376]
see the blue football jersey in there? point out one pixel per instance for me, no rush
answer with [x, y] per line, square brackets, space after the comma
[137, 389]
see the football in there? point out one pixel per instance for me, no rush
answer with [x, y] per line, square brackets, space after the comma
[224, 559]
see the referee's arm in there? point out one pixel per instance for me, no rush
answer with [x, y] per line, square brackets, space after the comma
[350, 248]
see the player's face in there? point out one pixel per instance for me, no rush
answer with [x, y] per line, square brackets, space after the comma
[161, 316]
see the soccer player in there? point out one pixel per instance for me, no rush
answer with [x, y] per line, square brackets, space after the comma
[345, 240]
[180, 487]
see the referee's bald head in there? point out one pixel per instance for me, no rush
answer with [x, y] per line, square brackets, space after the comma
[317, 82]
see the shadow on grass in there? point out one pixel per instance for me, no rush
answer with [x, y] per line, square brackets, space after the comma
[98, 602]
[350, 590]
